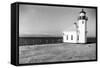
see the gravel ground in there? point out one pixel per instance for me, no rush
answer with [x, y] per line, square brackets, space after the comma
[56, 52]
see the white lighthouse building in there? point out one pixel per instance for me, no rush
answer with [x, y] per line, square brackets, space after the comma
[80, 34]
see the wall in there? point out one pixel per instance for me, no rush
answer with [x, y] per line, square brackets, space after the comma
[39, 40]
[70, 37]
[5, 34]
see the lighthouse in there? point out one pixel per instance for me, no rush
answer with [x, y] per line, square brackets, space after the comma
[80, 34]
[82, 27]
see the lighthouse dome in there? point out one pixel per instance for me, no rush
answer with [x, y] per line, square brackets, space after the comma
[83, 11]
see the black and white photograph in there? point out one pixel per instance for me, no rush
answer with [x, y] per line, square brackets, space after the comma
[51, 33]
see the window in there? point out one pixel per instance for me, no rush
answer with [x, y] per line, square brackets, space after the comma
[71, 37]
[82, 22]
[77, 37]
[67, 37]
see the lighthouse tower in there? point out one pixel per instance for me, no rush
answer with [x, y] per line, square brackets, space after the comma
[82, 27]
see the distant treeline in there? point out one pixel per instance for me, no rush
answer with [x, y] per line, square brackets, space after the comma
[91, 39]
[39, 40]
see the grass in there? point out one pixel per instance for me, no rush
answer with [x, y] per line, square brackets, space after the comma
[56, 52]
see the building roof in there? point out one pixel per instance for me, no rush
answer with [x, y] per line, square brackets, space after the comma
[83, 11]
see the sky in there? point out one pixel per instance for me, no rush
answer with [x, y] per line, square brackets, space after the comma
[49, 20]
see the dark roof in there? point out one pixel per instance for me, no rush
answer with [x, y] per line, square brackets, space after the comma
[83, 11]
